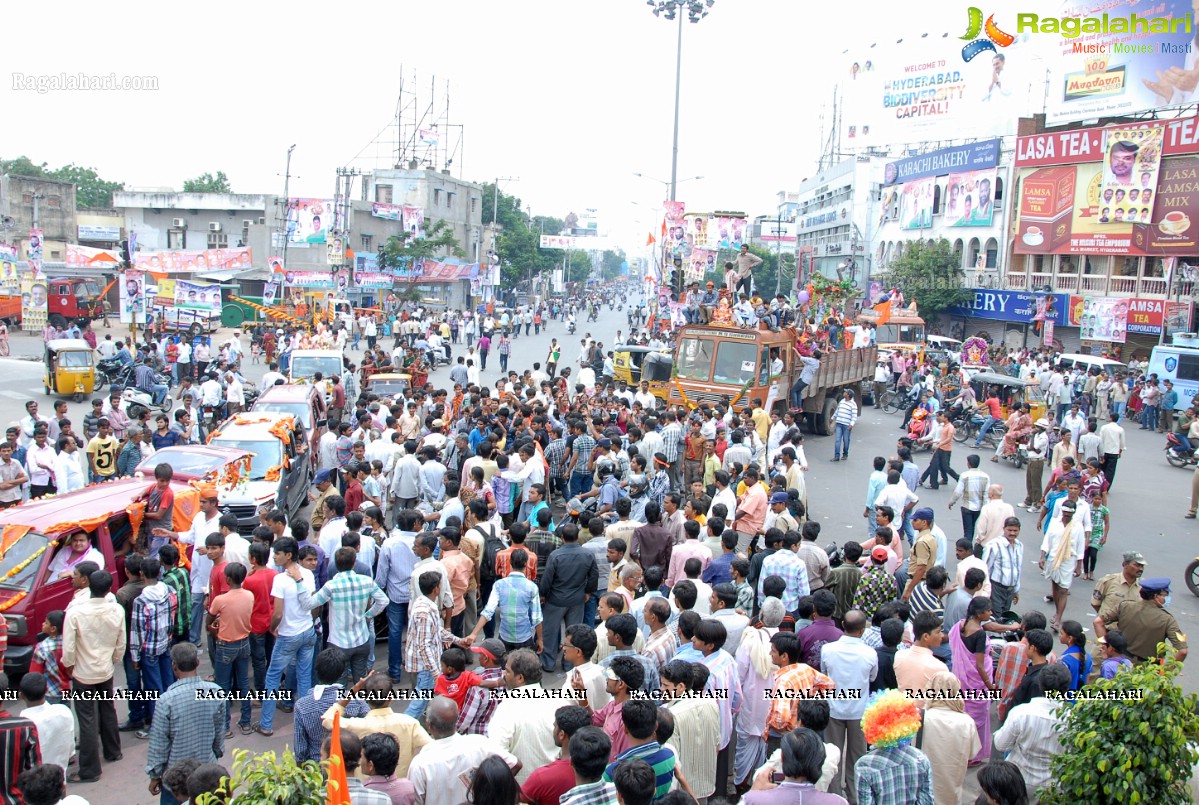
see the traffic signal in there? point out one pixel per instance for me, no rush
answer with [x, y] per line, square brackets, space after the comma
[125, 259]
[676, 277]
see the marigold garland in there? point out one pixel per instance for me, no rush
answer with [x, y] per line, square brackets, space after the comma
[890, 720]
[26, 563]
[10, 603]
[741, 393]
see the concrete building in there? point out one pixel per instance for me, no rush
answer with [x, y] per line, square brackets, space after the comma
[27, 203]
[836, 215]
[439, 195]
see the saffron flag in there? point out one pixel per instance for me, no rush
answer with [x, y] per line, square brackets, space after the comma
[884, 312]
[338, 790]
[650, 240]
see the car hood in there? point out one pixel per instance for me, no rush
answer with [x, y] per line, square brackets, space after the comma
[248, 493]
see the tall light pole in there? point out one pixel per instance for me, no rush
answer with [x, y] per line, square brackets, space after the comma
[696, 10]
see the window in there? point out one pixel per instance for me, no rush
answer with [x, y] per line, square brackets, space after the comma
[54, 201]
[992, 253]
[474, 204]
[1188, 367]
[973, 253]
[695, 358]
[366, 242]
[27, 198]
[175, 238]
[736, 362]
[449, 199]
[55, 255]
[936, 199]
[1128, 267]
[383, 193]
[998, 188]
[218, 240]
[436, 196]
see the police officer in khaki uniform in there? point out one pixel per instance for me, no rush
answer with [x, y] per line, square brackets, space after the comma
[1145, 623]
[1111, 591]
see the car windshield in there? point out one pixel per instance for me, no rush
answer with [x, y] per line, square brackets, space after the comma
[309, 365]
[16, 555]
[184, 462]
[736, 362]
[84, 289]
[900, 333]
[75, 359]
[695, 358]
[300, 410]
[265, 454]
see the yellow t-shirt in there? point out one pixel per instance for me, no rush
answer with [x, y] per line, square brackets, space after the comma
[103, 453]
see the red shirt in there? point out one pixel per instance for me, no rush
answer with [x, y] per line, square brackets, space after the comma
[994, 407]
[217, 585]
[259, 583]
[354, 495]
[547, 784]
[339, 396]
[457, 687]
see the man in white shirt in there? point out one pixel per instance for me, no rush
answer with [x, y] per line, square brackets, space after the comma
[234, 395]
[271, 377]
[643, 396]
[1111, 437]
[55, 723]
[68, 474]
[853, 666]
[524, 727]
[993, 515]
[1030, 733]
[440, 770]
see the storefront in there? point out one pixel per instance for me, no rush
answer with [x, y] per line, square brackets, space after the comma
[1013, 318]
[1110, 218]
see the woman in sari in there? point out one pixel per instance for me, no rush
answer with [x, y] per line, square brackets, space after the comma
[4, 350]
[972, 667]
[1019, 426]
[756, 671]
[950, 737]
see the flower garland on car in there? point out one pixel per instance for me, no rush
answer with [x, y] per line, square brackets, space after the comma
[10, 603]
[27, 562]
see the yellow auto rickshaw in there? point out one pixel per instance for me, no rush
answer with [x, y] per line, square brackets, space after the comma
[70, 368]
[1011, 390]
[627, 360]
[388, 384]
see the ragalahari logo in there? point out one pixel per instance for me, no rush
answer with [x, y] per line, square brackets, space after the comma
[994, 35]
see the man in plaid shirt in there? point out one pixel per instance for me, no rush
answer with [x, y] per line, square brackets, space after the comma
[1013, 661]
[479, 704]
[792, 675]
[47, 656]
[672, 446]
[178, 580]
[877, 586]
[580, 458]
[152, 619]
[427, 638]
[555, 454]
[354, 601]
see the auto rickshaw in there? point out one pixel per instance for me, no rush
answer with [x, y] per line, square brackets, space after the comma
[70, 368]
[627, 360]
[656, 370]
[1011, 390]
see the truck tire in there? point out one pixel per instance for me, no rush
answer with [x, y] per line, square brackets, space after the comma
[196, 330]
[822, 422]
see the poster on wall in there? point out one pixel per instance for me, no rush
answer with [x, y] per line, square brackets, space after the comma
[1131, 159]
[10, 281]
[269, 290]
[186, 262]
[414, 221]
[34, 299]
[366, 279]
[35, 253]
[969, 198]
[308, 219]
[916, 204]
[390, 212]
[202, 297]
[86, 257]
[308, 279]
[133, 297]
[1137, 58]
[1104, 319]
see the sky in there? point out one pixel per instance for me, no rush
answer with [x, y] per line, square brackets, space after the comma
[570, 99]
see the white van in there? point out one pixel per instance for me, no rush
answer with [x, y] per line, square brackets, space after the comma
[305, 363]
[1092, 364]
[1180, 365]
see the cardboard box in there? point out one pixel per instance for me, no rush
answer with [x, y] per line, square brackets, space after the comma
[1046, 210]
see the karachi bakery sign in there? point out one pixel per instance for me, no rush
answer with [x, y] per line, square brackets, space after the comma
[1063, 206]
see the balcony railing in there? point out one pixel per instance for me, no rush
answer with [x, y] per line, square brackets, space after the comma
[1066, 283]
[1121, 286]
[1090, 284]
[1153, 286]
[1016, 282]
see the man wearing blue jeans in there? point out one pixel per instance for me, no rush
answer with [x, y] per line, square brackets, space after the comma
[394, 576]
[845, 416]
[427, 638]
[295, 641]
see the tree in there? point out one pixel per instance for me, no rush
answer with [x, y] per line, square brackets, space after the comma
[91, 192]
[207, 183]
[268, 779]
[930, 273]
[1138, 746]
[401, 250]
[612, 264]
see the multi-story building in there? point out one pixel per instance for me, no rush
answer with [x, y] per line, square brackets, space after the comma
[835, 215]
[439, 196]
[28, 203]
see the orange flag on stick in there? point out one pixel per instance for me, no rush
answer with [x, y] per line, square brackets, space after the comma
[338, 790]
[651, 240]
[884, 312]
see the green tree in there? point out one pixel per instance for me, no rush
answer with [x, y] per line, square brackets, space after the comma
[268, 779]
[400, 250]
[519, 241]
[1139, 746]
[930, 273]
[91, 191]
[612, 264]
[207, 183]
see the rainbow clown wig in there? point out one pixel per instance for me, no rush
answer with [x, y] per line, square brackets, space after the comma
[890, 720]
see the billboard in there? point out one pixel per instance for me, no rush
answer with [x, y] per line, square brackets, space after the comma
[390, 212]
[584, 242]
[969, 198]
[181, 262]
[1104, 319]
[916, 204]
[921, 88]
[1014, 306]
[1132, 157]
[133, 297]
[1061, 208]
[308, 219]
[10, 280]
[1133, 58]
[727, 232]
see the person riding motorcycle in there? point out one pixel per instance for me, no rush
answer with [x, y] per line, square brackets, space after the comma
[963, 405]
[145, 380]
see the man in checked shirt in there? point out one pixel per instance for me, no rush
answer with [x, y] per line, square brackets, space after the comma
[480, 704]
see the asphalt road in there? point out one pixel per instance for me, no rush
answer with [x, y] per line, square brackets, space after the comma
[1148, 503]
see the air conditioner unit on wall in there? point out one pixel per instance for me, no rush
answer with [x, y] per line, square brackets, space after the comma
[214, 227]
[178, 223]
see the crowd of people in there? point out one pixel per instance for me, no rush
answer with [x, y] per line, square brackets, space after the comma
[663, 560]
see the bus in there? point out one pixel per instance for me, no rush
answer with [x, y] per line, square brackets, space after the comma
[904, 331]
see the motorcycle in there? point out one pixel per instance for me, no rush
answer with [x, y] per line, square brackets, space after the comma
[1192, 576]
[136, 401]
[968, 429]
[1020, 457]
[1177, 455]
[107, 370]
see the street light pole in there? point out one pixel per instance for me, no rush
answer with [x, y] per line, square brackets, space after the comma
[678, 78]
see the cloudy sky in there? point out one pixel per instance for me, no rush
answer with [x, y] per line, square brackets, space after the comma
[573, 98]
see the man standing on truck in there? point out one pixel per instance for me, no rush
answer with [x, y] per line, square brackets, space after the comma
[746, 263]
[811, 365]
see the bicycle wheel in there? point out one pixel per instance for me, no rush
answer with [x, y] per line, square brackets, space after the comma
[891, 401]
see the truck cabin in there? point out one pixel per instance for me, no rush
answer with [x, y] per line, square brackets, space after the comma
[903, 331]
[75, 298]
[717, 362]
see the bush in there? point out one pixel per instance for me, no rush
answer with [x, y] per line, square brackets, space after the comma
[267, 779]
[1128, 750]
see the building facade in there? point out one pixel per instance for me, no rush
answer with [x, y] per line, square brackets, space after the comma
[833, 219]
[28, 203]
